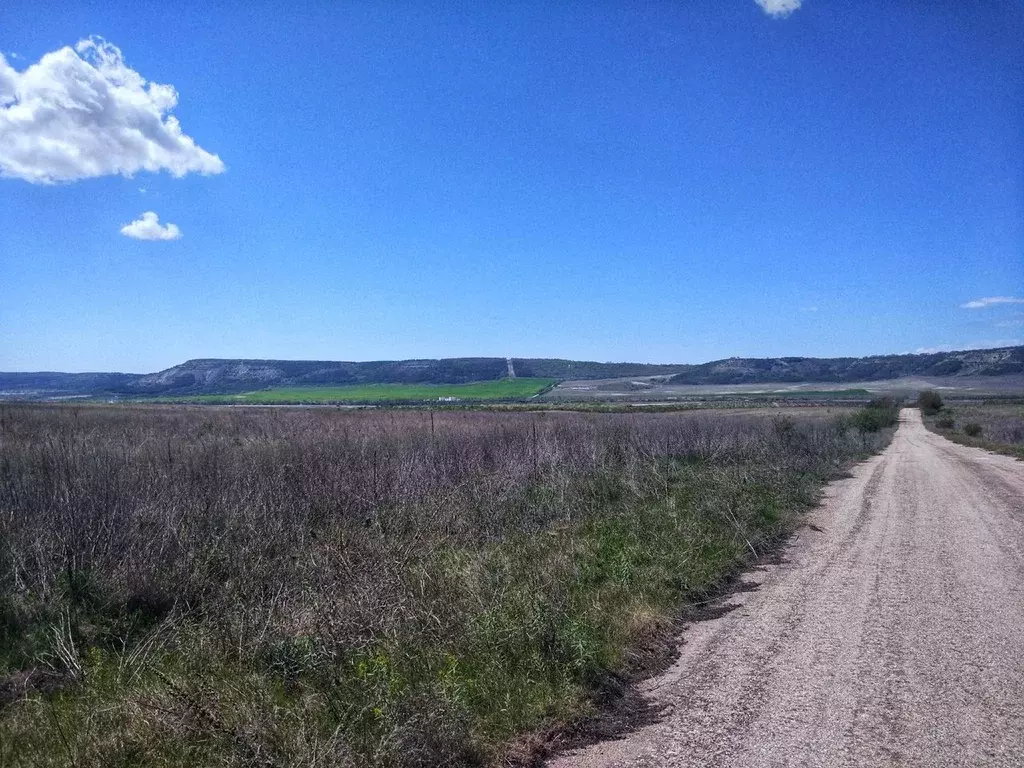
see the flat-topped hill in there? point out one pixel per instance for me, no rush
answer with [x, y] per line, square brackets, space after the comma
[744, 370]
[224, 376]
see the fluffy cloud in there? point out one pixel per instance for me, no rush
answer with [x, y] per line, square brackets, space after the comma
[81, 113]
[148, 227]
[779, 8]
[991, 300]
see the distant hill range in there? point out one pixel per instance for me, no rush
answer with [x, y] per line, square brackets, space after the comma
[230, 376]
[746, 370]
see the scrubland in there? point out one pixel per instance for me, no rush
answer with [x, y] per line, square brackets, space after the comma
[997, 425]
[203, 586]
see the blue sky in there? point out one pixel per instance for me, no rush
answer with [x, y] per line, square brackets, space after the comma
[660, 181]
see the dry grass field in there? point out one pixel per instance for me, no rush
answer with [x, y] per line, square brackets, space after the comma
[184, 586]
[995, 425]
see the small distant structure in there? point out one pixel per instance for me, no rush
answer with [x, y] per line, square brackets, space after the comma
[511, 370]
[449, 399]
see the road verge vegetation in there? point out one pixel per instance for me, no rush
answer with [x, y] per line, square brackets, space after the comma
[930, 402]
[879, 414]
[995, 425]
[184, 587]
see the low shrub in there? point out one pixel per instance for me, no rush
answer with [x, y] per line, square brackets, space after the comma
[930, 402]
[945, 423]
[879, 413]
[972, 429]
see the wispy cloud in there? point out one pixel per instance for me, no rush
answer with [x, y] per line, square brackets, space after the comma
[779, 9]
[991, 301]
[988, 344]
[81, 112]
[148, 227]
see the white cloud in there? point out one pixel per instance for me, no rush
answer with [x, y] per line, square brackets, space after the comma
[996, 343]
[8, 84]
[81, 113]
[148, 227]
[966, 346]
[990, 301]
[779, 9]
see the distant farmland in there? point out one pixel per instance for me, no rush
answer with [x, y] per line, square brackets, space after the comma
[502, 389]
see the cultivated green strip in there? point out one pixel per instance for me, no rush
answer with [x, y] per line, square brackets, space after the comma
[501, 389]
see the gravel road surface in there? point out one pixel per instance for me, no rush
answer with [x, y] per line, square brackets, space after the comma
[894, 635]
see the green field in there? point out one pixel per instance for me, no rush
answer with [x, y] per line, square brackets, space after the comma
[502, 389]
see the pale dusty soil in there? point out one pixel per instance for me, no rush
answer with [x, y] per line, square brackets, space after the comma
[620, 389]
[892, 636]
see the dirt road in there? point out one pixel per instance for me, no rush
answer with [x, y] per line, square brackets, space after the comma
[892, 636]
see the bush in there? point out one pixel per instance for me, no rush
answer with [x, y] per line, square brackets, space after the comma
[880, 412]
[972, 429]
[930, 402]
[945, 423]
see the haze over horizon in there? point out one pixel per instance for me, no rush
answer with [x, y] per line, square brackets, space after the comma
[681, 364]
[601, 182]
